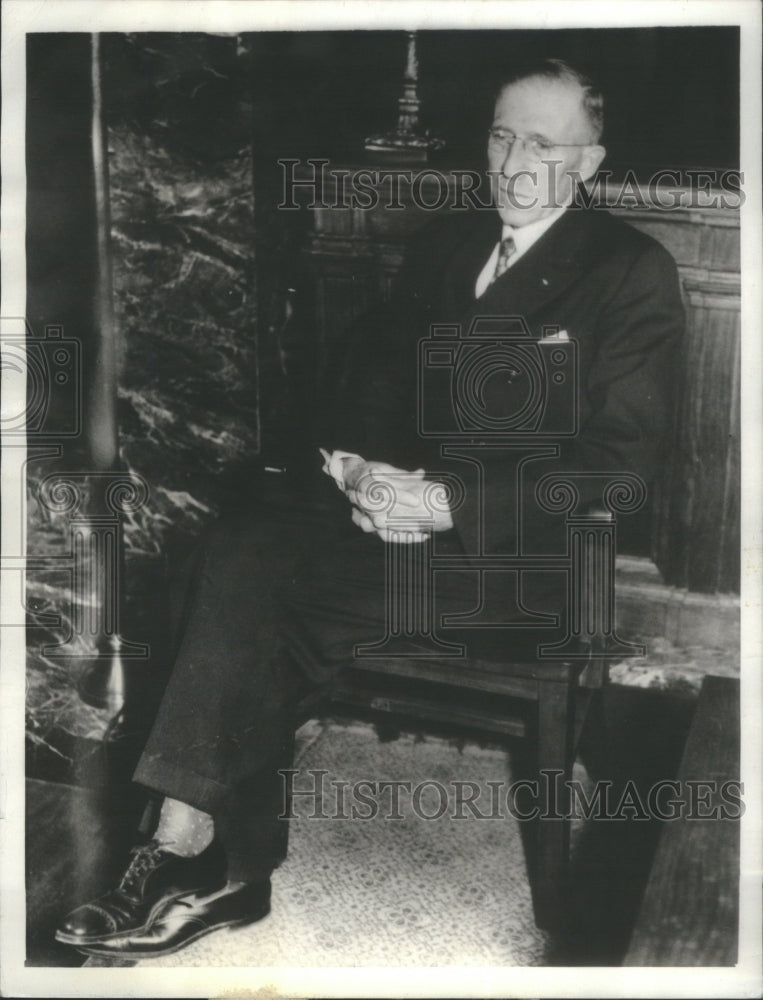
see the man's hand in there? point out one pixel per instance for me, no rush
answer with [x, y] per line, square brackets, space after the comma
[390, 501]
[395, 503]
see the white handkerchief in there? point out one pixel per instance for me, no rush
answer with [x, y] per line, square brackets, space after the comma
[332, 464]
[560, 335]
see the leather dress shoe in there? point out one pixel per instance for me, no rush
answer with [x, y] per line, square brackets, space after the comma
[186, 919]
[154, 877]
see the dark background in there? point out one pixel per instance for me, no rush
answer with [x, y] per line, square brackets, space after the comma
[672, 94]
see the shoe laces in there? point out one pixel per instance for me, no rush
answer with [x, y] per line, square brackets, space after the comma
[144, 858]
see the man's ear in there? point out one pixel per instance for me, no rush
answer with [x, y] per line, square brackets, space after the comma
[591, 159]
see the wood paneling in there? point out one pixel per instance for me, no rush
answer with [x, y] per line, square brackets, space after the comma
[697, 531]
[690, 909]
[696, 525]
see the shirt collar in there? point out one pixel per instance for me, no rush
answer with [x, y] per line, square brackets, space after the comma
[525, 236]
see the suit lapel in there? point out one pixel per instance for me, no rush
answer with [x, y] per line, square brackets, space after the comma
[464, 267]
[540, 275]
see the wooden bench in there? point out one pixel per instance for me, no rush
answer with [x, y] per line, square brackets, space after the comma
[690, 910]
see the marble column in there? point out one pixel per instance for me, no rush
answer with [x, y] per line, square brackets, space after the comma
[180, 163]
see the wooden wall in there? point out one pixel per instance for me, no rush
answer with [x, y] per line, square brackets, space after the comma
[696, 525]
[354, 253]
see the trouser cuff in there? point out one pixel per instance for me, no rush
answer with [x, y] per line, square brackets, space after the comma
[196, 790]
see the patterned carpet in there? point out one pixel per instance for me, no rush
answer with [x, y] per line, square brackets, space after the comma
[390, 892]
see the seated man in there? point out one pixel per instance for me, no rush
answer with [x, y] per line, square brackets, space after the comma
[276, 601]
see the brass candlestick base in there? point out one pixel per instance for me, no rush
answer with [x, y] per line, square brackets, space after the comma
[409, 147]
[407, 142]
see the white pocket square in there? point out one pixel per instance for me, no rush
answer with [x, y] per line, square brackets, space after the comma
[559, 335]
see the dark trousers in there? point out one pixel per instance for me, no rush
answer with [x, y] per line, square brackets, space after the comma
[274, 602]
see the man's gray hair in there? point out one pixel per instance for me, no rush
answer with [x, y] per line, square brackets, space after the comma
[558, 69]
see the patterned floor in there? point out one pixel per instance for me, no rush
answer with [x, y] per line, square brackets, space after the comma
[391, 892]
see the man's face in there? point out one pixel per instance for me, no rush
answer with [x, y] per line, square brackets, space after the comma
[526, 189]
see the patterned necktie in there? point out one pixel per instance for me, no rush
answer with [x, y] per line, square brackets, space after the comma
[506, 251]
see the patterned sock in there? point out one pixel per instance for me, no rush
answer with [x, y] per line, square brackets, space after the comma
[184, 830]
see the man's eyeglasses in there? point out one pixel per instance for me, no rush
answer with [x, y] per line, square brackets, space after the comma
[502, 140]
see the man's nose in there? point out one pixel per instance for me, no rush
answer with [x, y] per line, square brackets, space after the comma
[515, 158]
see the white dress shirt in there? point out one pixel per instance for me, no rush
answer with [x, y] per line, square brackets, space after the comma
[524, 237]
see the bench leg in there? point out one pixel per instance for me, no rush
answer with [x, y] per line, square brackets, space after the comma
[554, 754]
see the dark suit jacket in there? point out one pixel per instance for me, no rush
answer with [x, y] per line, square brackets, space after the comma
[611, 288]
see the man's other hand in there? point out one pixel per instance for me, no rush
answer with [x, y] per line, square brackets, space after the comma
[395, 503]
[399, 536]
